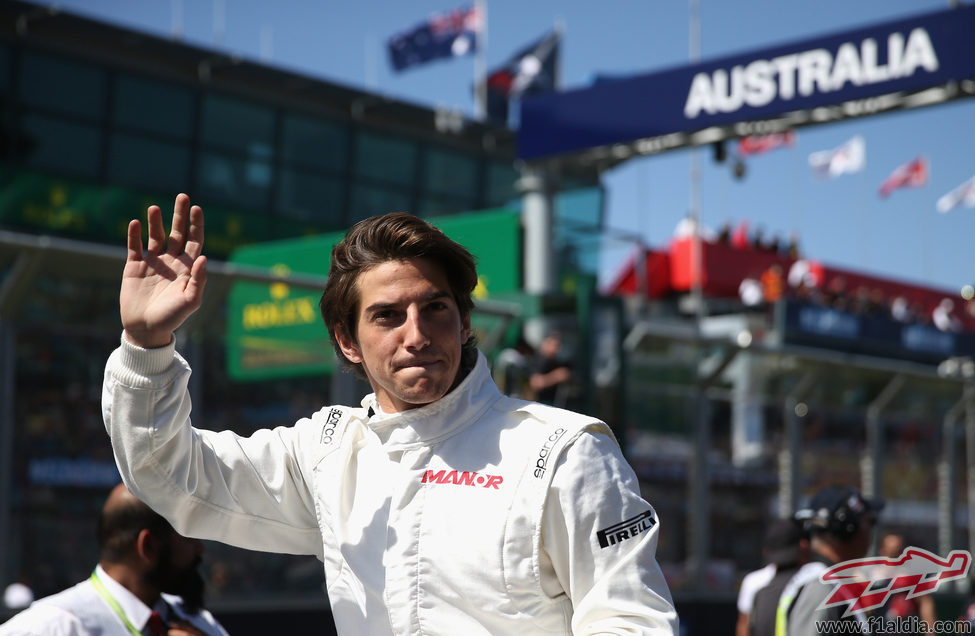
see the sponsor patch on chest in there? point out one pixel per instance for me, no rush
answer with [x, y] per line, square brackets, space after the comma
[632, 527]
[462, 478]
[331, 422]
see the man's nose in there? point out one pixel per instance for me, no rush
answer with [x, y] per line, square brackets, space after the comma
[416, 335]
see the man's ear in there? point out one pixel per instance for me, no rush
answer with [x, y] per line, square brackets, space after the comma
[348, 346]
[147, 546]
[465, 328]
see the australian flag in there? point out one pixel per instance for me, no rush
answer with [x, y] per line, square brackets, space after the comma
[531, 70]
[450, 34]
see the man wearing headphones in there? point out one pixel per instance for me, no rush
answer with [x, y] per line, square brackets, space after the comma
[840, 522]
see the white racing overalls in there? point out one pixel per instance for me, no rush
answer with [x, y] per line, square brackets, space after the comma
[476, 514]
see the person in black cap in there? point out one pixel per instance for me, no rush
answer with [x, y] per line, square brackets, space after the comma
[840, 521]
[787, 547]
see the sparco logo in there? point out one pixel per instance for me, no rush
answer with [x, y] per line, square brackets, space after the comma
[626, 529]
[328, 433]
[545, 452]
[466, 478]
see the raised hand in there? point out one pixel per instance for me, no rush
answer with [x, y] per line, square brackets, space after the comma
[161, 288]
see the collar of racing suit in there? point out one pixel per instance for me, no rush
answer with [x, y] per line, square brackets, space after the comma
[438, 420]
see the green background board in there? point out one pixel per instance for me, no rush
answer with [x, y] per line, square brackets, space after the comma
[275, 330]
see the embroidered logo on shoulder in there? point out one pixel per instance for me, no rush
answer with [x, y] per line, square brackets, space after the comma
[465, 478]
[331, 421]
[545, 452]
[624, 530]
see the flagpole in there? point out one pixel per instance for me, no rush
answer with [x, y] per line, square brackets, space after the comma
[861, 229]
[480, 62]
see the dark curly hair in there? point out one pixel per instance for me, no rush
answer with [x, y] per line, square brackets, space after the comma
[395, 236]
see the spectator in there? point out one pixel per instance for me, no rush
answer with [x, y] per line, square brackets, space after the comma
[900, 607]
[773, 283]
[146, 579]
[944, 318]
[788, 550]
[840, 522]
[754, 581]
[550, 375]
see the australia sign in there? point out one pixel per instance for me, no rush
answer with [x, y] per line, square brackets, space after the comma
[899, 64]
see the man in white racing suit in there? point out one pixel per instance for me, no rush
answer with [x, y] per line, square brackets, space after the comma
[439, 506]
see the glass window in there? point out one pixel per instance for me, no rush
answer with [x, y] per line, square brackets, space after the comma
[237, 125]
[244, 182]
[61, 146]
[385, 158]
[453, 173]
[438, 204]
[311, 197]
[151, 106]
[62, 85]
[501, 180]
[314, 143]
[369, 201]
[4, 70]
[149, 163]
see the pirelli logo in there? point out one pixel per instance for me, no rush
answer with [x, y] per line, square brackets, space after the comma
[626, 530]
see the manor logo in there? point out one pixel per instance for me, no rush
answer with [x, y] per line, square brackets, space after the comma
[863, 584]
[465, 478]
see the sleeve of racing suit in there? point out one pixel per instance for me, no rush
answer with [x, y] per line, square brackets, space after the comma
[600, 537]
[249, 492]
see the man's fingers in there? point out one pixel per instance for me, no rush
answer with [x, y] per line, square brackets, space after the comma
[134, 241]
[198, 278]
[156, 234]
[177, 233]
[194, 244]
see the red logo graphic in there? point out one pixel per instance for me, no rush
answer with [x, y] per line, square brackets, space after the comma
[464, 478]
[863, 584]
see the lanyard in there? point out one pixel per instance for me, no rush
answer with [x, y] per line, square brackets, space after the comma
[105, 594]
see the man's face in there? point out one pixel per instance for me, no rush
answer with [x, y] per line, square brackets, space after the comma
[177, 569]
[409, 333]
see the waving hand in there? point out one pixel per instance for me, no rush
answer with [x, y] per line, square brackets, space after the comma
[164, 285]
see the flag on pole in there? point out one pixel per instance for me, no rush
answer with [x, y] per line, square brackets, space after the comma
[850, 157]
[759, 144]
[533, 69]
[962, 195]
[912, 174]
[447, 34]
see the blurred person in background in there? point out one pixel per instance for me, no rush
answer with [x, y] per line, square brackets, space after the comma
[550, 375]
[439, 506]
[18, 594]
[752, 583]
[787, 547]
[899, 605]
[146, 582]
[840, 522]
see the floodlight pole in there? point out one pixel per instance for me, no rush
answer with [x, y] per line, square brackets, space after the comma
[538, 256]
[872, 461]
[948, 471]
[7, 381]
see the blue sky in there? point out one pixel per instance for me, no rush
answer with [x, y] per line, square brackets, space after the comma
[842, 222]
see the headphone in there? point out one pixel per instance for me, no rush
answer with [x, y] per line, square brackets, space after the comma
[843, 521]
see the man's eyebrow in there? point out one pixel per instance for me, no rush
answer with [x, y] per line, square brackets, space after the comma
[434, 295]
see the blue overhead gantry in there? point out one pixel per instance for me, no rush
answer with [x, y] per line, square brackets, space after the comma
[928, 59]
